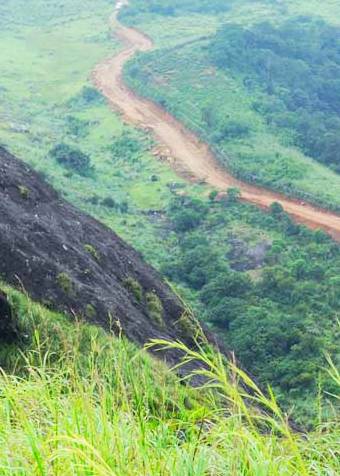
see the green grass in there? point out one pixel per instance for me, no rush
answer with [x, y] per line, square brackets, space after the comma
[329, 10]
[79, 401]
[181, 78]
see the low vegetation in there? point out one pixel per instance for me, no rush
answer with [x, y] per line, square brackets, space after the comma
[79, 401]
[65, 283]
[135, 288]
[71, 158]
[155, 308]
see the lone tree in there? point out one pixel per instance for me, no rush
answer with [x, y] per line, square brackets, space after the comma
[276, 209]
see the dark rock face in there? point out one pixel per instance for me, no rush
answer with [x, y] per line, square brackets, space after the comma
[8, 331]
[68, 260]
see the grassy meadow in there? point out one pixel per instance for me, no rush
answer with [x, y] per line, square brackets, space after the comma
[78, 401]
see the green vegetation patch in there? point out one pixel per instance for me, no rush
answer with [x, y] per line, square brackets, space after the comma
[155, 308]
[71, 158]
[74, 393]
[135, 288]
[24, 192]
[65, 283]
[92, 251]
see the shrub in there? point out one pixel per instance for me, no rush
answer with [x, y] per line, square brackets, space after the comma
[71, 158]
[155, 308]
[90, 311]
[233, 194]
[65, 283]
[127, 147]
[134, 287]
[276, 209]
[109, 202]
[92, 251]
[188, 325]
[76, 126]
[91, 95]
[24, 192]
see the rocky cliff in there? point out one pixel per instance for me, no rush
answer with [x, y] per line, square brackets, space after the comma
[70, 262]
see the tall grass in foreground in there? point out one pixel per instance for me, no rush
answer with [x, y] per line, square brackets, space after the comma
[79, 401]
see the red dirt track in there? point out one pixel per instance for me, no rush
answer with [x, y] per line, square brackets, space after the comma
[190, 156]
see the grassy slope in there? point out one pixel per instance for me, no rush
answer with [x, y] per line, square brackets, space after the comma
[190, 87]
[44, 70]
[43, 73]
[40, 101]
[82, 402]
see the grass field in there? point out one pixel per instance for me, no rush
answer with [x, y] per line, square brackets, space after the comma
[181, 78]
[78, 401]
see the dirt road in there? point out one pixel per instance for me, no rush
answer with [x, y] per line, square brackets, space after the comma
[190, 156]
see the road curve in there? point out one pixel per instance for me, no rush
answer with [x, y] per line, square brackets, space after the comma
[190, 156]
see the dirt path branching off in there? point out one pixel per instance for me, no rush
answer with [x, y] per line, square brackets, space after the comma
[190, 156]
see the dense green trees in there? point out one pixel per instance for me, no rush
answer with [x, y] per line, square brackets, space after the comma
[279, 324]
[187, 213]
[171, 7]
[294, 69]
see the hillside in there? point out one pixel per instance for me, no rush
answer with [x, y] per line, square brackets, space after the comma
[169, 238]
[77, 401]
[72, 392]
[72, 263]
[185, 151]
[233, 73]
[267, 287]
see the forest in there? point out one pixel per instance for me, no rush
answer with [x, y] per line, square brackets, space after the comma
[266, 301]
[294, 71]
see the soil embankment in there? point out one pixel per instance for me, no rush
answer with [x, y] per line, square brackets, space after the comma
[191, 157]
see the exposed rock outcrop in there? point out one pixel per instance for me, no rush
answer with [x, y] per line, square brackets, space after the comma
[71, 262]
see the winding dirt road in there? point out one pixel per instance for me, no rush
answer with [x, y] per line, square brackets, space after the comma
[190, 157]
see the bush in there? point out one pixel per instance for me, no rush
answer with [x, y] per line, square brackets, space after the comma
[155, 308]
[65, 283]
[133, 286]
[91, 95]
[71, 158]
[92, 251]
[109, 202]
[128, 146]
